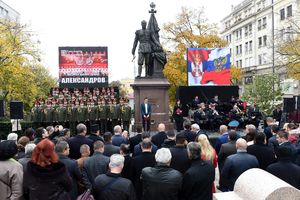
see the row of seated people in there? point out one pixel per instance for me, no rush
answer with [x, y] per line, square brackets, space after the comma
[181, 169]
[107, 115]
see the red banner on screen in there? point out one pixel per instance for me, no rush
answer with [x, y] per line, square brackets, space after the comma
[83, 67]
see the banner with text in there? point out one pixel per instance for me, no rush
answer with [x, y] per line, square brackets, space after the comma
[208, 66]
[81, 67]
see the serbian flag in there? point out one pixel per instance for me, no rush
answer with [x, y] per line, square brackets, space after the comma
[217, 67]
[208, 66]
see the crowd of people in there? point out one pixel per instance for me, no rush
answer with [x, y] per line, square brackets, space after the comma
[166, 165]
[70, 107]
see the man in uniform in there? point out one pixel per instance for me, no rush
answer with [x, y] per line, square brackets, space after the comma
[126, 115]
[48, 111]
[115, 115]
[102, 116]
[61, 114]
[34, 115]
[92, 113]
[145, 37]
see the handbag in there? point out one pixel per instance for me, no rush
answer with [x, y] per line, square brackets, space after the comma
[86, 195]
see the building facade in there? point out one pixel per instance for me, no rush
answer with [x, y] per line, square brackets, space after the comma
[253, 37]
[7, 12]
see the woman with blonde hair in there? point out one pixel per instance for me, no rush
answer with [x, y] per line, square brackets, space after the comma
[208, 152]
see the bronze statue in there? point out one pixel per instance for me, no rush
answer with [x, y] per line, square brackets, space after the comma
[145, 37]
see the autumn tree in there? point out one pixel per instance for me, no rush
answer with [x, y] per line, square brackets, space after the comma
[287, 41]
[22, 78]
[262, 93]
[236, 75]
[189, 30]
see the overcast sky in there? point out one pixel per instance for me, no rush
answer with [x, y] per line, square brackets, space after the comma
[110, 23]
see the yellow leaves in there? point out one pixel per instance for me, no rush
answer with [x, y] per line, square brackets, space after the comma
[236, 74]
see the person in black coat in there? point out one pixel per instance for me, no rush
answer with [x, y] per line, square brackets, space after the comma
[267, 130]
[135, 139]
[138, 148]
[78, 140]
[264, 154]
[180, 160]
[284, 141]
[161, 182]
[198, 180]
[95, 133]
[159, 137]
[111, 186]
[146, 159]
[284, 168]
[126, 172]
[109, 148]
[226, 150]
[170, 141]
[62, 149]
[46, 177]
[273, 143]
[95, 165]
[178, 115]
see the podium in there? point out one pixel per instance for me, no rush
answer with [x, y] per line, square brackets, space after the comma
[156, 90]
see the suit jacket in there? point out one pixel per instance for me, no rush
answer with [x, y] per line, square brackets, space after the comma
[237, 164]
[74, 173]
[97, 164]
[143, 109]
[110, 149]
[75, 144]
[264, 154]
[159, 138]
[222, 139]
[180, 160]
[286, 171]
[293, 148]
[198, 181]
[134, 141]
[189, 135]
[226, 150]
[273, 143]
[146, 159]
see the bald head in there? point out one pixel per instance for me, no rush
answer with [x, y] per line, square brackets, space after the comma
[161, 127]
[223, 129]
[241, 144]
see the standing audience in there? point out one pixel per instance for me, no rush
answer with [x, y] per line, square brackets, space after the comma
[46, 177]
[28, 153]
[161, 182]
[11, 173]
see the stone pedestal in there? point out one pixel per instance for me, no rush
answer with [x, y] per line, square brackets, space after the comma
[257, 184]
[156, 89]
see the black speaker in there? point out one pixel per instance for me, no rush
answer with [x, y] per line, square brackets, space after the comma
[288, 105]
[2, 108]
[16, 110]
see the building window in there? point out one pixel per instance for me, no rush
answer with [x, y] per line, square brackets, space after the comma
[264, 40]
[246, 31]
[259, 24]
[264, 60]
[250, 46]
[241, 63]
[289, 11]
[250, 29]
[250, 61]
[259, 42]
[240, 34]
[237, 50]
[282, 14]
[246, 47]
[264, 23]
[241, 49]
[229, 38]
[259, 59]
[237, 63]
[236, 35]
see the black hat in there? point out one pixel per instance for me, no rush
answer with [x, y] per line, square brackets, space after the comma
[8, 149]
[95, 128]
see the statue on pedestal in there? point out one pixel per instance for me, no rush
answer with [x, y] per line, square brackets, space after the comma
[150, 51]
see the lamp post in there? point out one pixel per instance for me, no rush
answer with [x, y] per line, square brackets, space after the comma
[273, 52]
